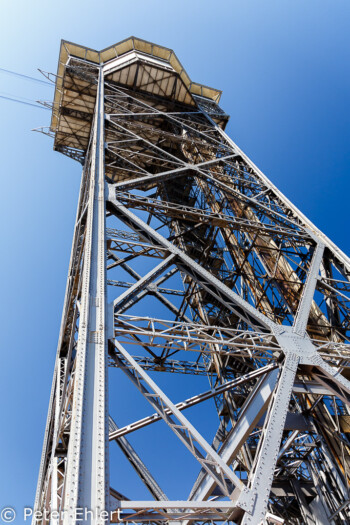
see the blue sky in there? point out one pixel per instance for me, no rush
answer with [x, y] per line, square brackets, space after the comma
[283, 69]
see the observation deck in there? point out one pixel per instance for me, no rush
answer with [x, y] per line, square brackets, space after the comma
[134, 64]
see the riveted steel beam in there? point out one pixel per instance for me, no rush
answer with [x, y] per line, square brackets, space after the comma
[185, 431]
[202, 276]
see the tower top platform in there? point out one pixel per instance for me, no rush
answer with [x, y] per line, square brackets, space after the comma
[134, 64]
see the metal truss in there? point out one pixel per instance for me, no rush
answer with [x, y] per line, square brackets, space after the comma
[187, 260]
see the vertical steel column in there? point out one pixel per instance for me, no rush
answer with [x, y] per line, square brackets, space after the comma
[87, 483]
[53, 406]
[266, 457]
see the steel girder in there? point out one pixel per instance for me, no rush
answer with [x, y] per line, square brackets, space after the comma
[258, 303]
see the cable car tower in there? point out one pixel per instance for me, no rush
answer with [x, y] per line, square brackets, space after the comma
[189, 270]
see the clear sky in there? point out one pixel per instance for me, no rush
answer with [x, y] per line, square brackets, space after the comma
[283, 67]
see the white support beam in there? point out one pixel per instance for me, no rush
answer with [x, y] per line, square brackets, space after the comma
[204, 278]
[87, 459]
[251, 412]
[136, 288]
[265, 462]
[190, 402]
[186, 432]
[166, 504]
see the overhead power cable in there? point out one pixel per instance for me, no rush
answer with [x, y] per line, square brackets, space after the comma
[13, 99]
[26, 77]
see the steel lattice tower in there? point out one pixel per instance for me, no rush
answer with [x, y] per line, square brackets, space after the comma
[226, 280]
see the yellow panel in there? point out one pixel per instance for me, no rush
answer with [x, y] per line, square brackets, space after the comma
[74, 104]
[208, 92]
[143, 46]
[124, 47]
[108, 54]
[153, 88]
[116, 76]
[170, 86]
[161, 52]
[158, 74]
[132, 72]
[185, 78]
[93, 56]
[196, 89]
[184, 96]
[143, 78]
[63, 54]
[175, 63]
[75, 50]
[57, 97]
[189, 100]
[123, 76]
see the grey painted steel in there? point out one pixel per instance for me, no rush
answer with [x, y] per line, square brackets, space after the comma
[188, 403]
[156, 292]
[251, 412]
[185, 431]
[174, 504]
[87, 484]
[252, 313]
[142, 283]
[39, 490]
[271, 439]
[208, 281]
